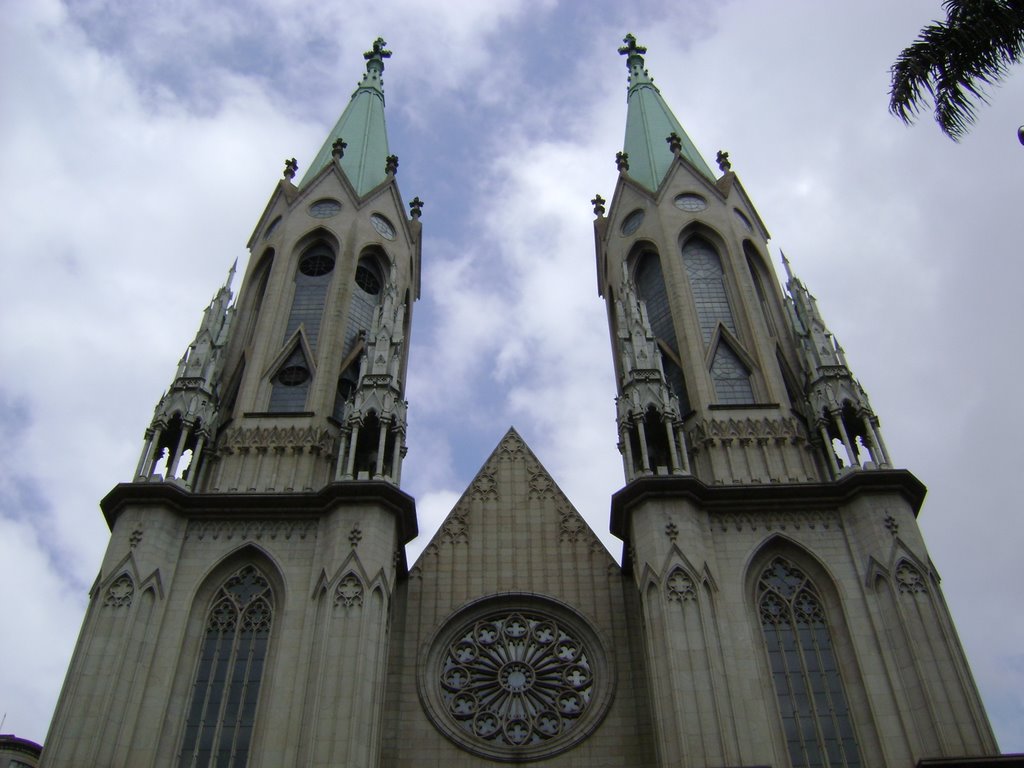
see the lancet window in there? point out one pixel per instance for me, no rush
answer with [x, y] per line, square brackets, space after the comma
[312, 278]
[729, 374]
[707, 281]
[366, 295]
[222, 707]
[809, 689]
[762, 298]
[650, 286]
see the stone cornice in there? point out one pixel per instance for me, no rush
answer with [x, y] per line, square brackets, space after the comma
[763, 498]
[239, 505]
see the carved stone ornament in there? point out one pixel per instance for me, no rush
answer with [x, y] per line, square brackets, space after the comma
[349, 592]
[455, 529]
[485, 486]
[779, 521]
[511, 448]
[671, 530]
[251, 529]
[679, 587]
[120, 592]
[709, 430]
[909, 579]
[241, 438]
[541, 485]
[570, 525]
[355, 536]
[516, 678]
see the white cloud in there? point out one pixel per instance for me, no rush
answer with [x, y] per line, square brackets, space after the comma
[143, 149]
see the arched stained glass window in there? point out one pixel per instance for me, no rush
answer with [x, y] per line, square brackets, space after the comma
[222, 709]
[312, 278]
[707, 281]
[650, 286]
[815, 716]
[731, 377]
[366, 295]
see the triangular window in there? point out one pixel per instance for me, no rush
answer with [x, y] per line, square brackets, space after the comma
[731, 377]
[290, 384]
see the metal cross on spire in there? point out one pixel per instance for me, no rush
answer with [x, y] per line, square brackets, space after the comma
[379, 52]
[631, 48]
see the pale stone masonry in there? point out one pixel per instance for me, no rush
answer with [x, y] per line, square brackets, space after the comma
[775, 604]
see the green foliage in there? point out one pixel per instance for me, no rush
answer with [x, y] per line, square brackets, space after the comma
[953, 62]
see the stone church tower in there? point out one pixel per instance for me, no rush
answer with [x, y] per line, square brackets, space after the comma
[775, 606]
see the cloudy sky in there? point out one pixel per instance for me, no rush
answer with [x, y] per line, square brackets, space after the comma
[141, 141]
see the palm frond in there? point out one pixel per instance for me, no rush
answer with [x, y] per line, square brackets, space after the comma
[953, 62]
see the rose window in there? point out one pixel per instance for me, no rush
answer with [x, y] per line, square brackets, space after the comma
[519, 683]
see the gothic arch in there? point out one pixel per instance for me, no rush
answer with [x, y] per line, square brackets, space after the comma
[839, 717]
[203, 645]
[706, 232]
[316, 234]
[383, 260]
[252, 301]
[764, 288]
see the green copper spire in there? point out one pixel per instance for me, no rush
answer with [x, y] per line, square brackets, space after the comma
[359, 141]
[650, 124]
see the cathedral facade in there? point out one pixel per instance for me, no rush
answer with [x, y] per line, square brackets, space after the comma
[775, 604]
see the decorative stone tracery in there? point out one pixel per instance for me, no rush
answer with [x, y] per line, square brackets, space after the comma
[909, 579]
[679, 587]
[349, 592]
[516, 683]
[120, 592]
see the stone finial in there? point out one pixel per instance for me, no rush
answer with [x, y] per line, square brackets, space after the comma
[674, 143]
[391, 164]
[622, 161]
[598, 203]
[338, 148]
[722, 158]
[290, 168]
[378, 51]
[416, 207]
[631, 48]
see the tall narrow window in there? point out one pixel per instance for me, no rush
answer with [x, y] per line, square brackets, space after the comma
[650, 286]
[366, 295]
[312, 279]
[815, 716]
[753, 260]
[707, 281]
[222, 709]
[260, 279]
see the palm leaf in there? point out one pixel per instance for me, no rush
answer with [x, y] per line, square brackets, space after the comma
[953, 62]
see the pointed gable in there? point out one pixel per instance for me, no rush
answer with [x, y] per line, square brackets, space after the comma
[513, 530]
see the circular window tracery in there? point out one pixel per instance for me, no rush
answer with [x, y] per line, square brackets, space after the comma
[691, 202]
[367, 279]
[324, 209]
[632, 222]
[293, 375]
[518, 682]
[316, 263]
